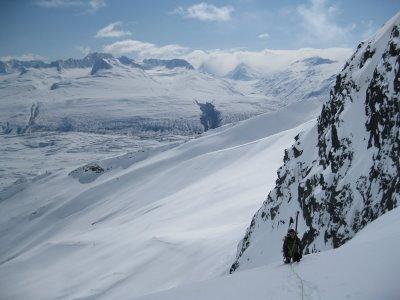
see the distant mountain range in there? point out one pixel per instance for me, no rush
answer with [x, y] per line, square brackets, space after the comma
[100, 92]
[97, 59]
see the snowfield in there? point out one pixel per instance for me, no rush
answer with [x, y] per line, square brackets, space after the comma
[364, 268]
[25, 157]
[145, 222]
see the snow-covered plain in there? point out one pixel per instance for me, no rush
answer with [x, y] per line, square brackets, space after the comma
[364, 268]
[157, 221]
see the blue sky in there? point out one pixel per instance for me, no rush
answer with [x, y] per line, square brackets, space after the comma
[70, 28]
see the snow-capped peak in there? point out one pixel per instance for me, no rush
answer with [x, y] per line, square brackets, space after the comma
[243, 72]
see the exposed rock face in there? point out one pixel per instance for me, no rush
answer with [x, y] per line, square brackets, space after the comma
[167, 63]
[316, 60]
[3, 68]
[129, 62]
[344, 173]
[100, 64]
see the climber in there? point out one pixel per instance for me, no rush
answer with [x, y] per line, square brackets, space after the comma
[292, 248]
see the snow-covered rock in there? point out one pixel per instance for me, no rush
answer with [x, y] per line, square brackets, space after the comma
[100, 64]
[3, 67]
[316, 60]
[129, 62]
[167, 63]
[243, 72]
[344, 172]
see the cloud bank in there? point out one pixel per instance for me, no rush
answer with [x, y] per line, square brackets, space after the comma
[220, 62]
[143, 49]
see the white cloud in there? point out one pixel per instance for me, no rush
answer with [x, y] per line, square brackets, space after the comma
[220, 62]
[59, 3]
[144, 49]
[112, 30]
[205, 12]
[95, 5]
[83, 50]
[26, 56]
[263, 35]
[91, 5]
[319, 24]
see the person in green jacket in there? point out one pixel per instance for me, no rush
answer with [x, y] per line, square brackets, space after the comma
[292, 249]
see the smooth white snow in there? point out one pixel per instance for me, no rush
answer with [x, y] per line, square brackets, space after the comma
[145, 225]
[365, 268]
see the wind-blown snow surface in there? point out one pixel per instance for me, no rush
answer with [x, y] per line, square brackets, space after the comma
[364, 268]
[145, 222]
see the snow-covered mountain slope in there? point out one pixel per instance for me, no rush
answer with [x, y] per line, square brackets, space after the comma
[243, 72]
[144, 222]
[311, 78]
[363, 268]
[117, 97]
[100, 93]
[342, 173]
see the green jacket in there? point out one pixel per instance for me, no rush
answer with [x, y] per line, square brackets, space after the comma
[291, 246]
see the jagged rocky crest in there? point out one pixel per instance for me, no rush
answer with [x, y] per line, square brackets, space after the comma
[344, 172]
